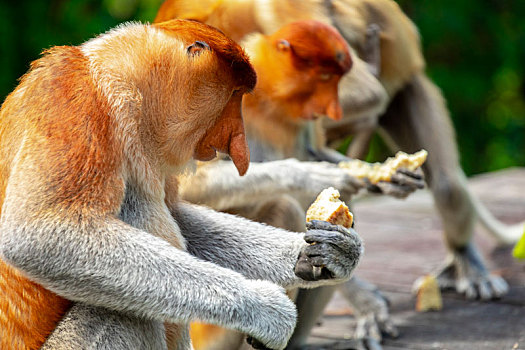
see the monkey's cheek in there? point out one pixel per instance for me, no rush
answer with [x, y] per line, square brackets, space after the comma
[239, 153]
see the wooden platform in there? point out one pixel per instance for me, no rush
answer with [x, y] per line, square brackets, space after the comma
[403, 241]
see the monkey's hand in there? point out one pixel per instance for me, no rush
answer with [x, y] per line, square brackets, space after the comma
[274, 316]
[402, 183]
[332, 253]
[465, 272]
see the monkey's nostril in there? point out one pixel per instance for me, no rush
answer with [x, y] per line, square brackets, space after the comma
[197, 47]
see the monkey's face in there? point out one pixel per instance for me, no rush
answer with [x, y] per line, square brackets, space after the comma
[306, 59]
[216, 75]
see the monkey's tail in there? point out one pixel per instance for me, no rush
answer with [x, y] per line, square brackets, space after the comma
[504, 234]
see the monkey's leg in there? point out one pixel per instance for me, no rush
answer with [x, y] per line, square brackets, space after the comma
[87, 327]
[284, 212]
[370, 309]
[360, 144]
[417, 118]
[310, 305]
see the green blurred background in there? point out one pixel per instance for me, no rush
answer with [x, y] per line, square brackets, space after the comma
[475, 52]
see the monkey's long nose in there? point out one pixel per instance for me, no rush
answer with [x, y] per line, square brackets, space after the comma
[227, 136]
[334, 110]
[239, 153]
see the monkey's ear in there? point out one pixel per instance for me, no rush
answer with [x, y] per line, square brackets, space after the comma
[197, 47]
[283, 45]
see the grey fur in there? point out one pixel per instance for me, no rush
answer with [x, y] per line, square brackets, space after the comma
[88, 327]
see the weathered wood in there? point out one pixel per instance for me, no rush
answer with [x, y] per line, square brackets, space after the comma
[403, 241]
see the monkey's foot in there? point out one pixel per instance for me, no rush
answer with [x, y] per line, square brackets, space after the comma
[370, 310]
[465, 272]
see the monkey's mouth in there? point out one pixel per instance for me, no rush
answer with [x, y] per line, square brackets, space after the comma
[205, 153]
[235, 146]
[313, 116]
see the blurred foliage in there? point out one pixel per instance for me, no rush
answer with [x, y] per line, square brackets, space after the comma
[475, 52]
[519, 249]
[474, 49]
[30, 26]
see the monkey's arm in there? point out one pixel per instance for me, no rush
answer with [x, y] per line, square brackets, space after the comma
[219, 186]
[259, 251]
[86, 254]
[106, 263]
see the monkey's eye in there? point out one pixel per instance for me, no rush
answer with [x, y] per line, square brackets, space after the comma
[197, 47]
[325, 76]
[283, 45]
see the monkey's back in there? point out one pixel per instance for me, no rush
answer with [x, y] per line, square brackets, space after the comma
[28, 311]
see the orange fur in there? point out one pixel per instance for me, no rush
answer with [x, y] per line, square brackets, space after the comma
[234, 17]
[30, 312]
[401, 55]
[62, 121]
[295, 84]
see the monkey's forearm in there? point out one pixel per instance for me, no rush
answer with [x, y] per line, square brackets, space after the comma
[219, 186]
[256, 250]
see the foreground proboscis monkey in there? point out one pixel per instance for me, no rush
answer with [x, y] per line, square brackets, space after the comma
[96, 249]
[401, 103]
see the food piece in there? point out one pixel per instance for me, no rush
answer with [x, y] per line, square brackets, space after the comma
[428, 295]
[328, 207]
[376, 172]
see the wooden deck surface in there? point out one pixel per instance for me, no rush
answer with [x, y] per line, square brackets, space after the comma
[403, 241]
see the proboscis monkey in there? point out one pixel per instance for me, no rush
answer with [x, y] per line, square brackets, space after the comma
[96, 248]
[298, 68]
[402, 104]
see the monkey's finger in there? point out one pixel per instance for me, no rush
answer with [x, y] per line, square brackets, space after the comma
[484, 290]
[304, 269]
[372, 344]
[499, 286]
[404, 178]
[327, 226]
[395, 190]
[331, 237]
[415, 174]
[387, 328]
[355, 182]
